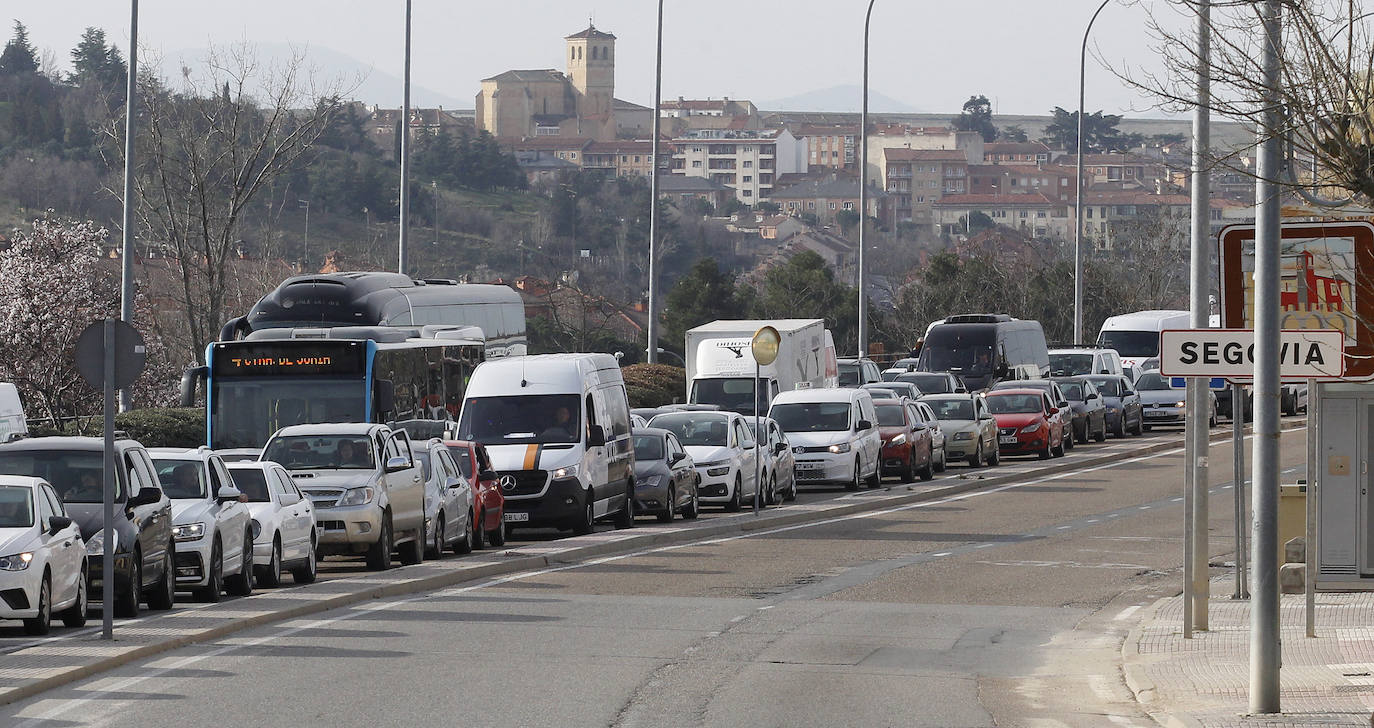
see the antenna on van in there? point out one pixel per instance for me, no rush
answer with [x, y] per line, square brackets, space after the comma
[523, 382]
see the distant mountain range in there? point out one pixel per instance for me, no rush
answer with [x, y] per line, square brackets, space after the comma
[358, 80]
[848, 97]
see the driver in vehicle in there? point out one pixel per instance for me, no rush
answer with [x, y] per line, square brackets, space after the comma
[351, 455]
[561, 427]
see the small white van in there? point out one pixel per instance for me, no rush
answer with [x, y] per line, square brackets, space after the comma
[557, 429]
[1135, 336]
[13, 425]
[834, 435]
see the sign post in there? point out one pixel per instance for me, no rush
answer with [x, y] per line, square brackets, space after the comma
[764, 347]
[110, 355]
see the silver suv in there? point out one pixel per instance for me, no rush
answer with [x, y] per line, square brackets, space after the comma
[366, 486]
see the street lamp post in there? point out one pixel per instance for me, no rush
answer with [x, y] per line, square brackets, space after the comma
[434, 187]
[405, 156]
[306, 204]
[126, 255]
[1078, 191]
[652, 350]
[863, 192]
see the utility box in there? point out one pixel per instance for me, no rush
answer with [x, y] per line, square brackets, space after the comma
[1292, 515]
[1345, 510]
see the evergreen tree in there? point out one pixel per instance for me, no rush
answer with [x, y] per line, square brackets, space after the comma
[19, 55]
[977, 116]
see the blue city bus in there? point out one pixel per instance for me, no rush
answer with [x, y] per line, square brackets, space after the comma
[281, 377]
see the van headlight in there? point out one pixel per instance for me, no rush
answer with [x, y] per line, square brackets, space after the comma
[95, 545]
[16, 562]
[355, 497]
[839, 447]
[565, 472]
[717, 472]
[188, 532]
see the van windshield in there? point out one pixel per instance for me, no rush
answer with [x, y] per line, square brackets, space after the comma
[812, 416]
[968, 349]
[538, 419]
[1134, 344]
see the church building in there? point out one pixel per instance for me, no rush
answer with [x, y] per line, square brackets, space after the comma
[545, 103]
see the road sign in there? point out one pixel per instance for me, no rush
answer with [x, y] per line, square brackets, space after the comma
[1325, 269]
[765, 345]
[130, 354]
[1304, 353]
[1215, 383]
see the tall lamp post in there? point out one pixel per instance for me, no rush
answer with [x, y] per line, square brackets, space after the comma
[405, 156]
[1078, 184]
[306, 204]
[863, 193]
[652, 332]
[126, 254]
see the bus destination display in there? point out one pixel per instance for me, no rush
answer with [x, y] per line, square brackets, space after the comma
[277, 359]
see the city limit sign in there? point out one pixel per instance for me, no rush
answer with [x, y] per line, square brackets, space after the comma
[1303, 353]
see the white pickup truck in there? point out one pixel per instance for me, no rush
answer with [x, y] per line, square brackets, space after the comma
[365, 484]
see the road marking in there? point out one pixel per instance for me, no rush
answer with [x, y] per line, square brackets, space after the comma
[1126, 613]
[1064, 528]
[1143, 508]
[942, 553]
[984, 545]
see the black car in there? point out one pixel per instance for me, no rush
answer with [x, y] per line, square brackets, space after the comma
[143, 551]
[665, 478]
[1089, 409]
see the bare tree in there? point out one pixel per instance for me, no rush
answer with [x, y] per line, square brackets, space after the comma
[206, 149]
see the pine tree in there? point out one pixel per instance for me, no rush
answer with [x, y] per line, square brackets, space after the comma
[19, 55]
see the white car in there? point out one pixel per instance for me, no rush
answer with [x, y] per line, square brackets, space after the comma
[722, 448]
[211, 528]
[42, 557]
[448, 502]
[284, 533]
[834, 435]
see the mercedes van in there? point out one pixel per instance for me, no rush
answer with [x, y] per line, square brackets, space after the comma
[557, 429]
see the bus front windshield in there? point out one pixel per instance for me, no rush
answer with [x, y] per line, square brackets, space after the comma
[245, 412]
[1134, 344]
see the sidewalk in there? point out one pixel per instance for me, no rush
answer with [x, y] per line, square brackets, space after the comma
[1204, 682]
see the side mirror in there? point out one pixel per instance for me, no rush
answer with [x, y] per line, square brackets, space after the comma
[455, 483]
[290, 499]
[1063, 404]
[1054, 410]
[596, 436]
[486, 475]
[918, 425]
[228, 493]
[780, 448]
[676, 458]
[863, 425]
[1092, 395]
[1128, 393]
[57, 523]
[396, 463]
[146, 496]
[986, 416]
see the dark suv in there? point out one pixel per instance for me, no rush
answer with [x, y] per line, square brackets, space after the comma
[143, 554]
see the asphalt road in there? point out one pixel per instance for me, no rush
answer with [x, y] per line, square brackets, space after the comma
[1001, 607]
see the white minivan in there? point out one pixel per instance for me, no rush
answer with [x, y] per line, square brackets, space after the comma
[557, 429]
[1135, 336]
[834, 435]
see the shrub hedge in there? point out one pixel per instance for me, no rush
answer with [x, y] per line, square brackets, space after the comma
[654, 385]
[152, 427]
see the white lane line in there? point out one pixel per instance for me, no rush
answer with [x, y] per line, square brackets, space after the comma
[1092, 520]
[1064, 528]
[1177, 500]
[1143, 508]
[942, 553]
[1126, 613]
[984, 545]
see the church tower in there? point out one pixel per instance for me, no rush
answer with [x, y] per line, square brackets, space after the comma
[591, 70]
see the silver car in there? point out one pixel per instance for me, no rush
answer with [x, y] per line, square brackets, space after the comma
[448, 502]
[937, 435]
[284, 533]
[970, 429]
[1164, 405]
[783, 483]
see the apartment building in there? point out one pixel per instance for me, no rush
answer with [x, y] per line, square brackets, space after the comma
[747, 162]
[1020, 153]
[916, 179]
[1107, 212]
[620, 158]
[1033, 213]
[686, 115]
[901, 136]
[827, 196]
[835, 145]
[1120, 169]
[1056, 181]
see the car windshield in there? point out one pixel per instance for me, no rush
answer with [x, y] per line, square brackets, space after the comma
[1072, 390]
[812, 416]
[648, 447]
[927, 383]
[1108, 387]
[181, 478]
[535, 419]
[16, 506]
[1068, 365]
[321, 452]
[1134, 344]
[1003, 404]
[696, 428]
[463, 458]
[1151, 382]
[252, 482]
[76, 475]
[952, 409]
[892, 415]
[849, 374]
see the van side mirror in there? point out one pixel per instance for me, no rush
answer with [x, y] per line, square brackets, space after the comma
[863, 425]
[1128, 393]
[146, 496]
[1092, 395]
[596, 436]
[486, 475]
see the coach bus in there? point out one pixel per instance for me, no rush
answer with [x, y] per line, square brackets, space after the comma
[280, 377]
[376, 298]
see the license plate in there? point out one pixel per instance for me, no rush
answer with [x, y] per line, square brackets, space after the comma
[1011, 440]
[808, 466]
[511, 517]
[1156, 413]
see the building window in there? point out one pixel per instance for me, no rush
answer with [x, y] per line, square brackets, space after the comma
[834, 155]
[748, 178]
[696, 164]
[1089, 214]
[696, 149]
[832, 205]
[637, 159]
[748, 193]
[811, 205]
[1023, 213]
[572, 155]
[748, 163]
[920, 198]
[849, 206]
[1039, 213]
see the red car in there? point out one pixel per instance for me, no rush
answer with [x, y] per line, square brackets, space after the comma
[1026, 422]
[906, 441]
[486, 491]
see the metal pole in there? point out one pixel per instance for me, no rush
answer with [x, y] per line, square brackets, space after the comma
[1265, 649]
[653, 193]
[107, 596]
[435, 187]
[758, 487]
[863, 194]
[1189, 504]
[1078, 187]
[1199, 398]
[1310, 507]
[1242, 588]
[126, 292]
[405, 155]
[306, 205]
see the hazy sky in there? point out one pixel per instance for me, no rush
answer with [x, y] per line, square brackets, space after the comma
[928, 54]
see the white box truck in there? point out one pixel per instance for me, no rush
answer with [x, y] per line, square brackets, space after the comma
[720, 366]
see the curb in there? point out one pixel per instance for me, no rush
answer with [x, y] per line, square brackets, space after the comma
[733, 524]
[1137, 681]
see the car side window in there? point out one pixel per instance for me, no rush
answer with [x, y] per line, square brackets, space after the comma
[217, 466]
[138, 479]
[54, 501]
[215, 481]
[275, 484]
[45, 509]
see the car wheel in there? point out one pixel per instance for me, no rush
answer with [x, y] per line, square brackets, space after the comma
[1120, 430]
[306, 574]
[479, 532]
[465, 544]
[626, 518]
[669, 507]
[241, 584]
[942, 464]
[497, 536]
[379, 554]
[41, 623]
[976, 459]
[1212, 421]
[1290, 405]
[734, 503]
[693, 508]
[414, 552]
[1102, 431]
[436, 547]
[908, 473]
[126, 602]
[792, 488]
[214, 579]
[270, 574]
[1139, 424]
[164, 593]
[876, 479]
[75, 615]
[928, 472]
[1048, 452]
[587, 523]
[996, 457]
[855, 481]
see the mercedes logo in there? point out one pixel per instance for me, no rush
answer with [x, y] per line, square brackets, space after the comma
[507, 482]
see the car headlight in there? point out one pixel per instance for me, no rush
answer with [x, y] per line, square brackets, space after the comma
[355, 497]
[257, 528]
[963, 435]
[716, 472]
[188, 532]
[1111, 408]
[1180, 404]
[16, 562]
[565, 471]
[650, 481]
[839, 447]
[95, 545]
[898, 440]
[1031, 428]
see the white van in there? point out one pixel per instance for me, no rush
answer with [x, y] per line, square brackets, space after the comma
[1078, 360]
[557, 429]
[834, 435]
[1135, 336]
[13, 425]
